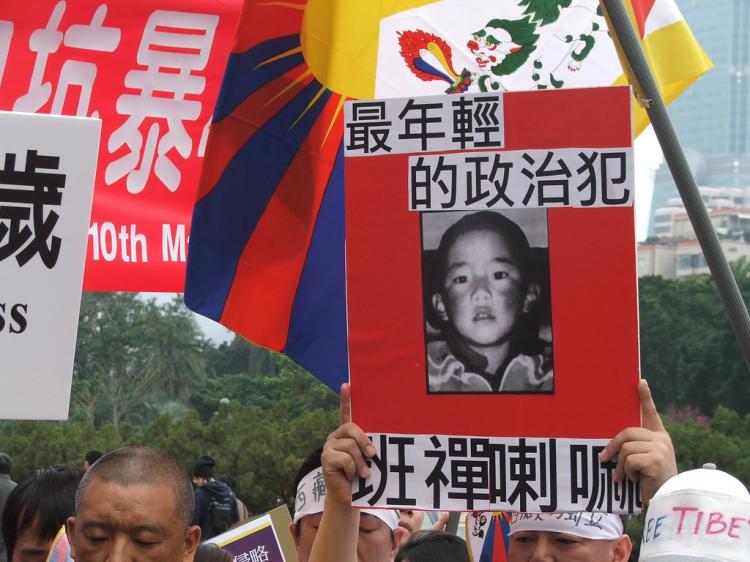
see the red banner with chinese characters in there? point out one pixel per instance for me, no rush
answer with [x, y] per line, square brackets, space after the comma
[151, 71]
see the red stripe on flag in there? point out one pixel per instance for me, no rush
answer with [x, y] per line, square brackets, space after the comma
[261, 21]
[259, 304]
[641, 10]
[231, 133]
[498, 546]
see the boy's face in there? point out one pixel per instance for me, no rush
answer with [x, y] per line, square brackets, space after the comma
[484, 291]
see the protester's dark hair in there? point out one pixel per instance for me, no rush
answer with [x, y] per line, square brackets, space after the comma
[6, 463]
[489, 221]
[93, 456]
[230, 481]
[433, 546]
[142, 465]
[43, 502]
[204, 467]
[311, 462]
[208, 552]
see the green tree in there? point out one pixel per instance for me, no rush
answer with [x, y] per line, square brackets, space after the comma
[132, 355]
[688, 351]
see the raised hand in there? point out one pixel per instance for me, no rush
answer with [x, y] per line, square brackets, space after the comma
[344, 454]
[643, 453]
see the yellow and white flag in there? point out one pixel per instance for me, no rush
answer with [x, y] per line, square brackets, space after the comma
[475, 45]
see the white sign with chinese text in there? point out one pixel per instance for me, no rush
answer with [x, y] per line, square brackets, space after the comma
[47, 171]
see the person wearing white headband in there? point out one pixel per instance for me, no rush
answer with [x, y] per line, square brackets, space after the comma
[568, 537]
[345, 534]
[378, 538]
[644, 454]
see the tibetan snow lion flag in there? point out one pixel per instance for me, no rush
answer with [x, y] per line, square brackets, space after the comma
[487, 536]
[266, 255]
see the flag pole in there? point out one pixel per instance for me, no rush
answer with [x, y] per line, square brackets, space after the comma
[647, 93]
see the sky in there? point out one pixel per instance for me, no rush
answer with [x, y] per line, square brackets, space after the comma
[648, 156]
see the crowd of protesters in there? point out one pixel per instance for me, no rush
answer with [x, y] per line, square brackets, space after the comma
[138, 504]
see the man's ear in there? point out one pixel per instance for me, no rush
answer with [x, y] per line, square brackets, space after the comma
[293, 531]
[70, 531]
[622, 549]
[192, 538]
[399, 536]
[532, 294]
[439, 306]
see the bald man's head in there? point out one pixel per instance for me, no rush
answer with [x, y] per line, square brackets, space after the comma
[141, 465]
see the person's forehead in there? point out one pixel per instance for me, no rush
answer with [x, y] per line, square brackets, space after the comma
[312, 520]
[113, 502]
[467, 243]
[373, 523]
[29, 544]
[555, 535]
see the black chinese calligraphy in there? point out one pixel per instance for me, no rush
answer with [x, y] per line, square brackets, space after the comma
[494, 474]
[26, 220]
[486, 302]
[520, 179]
[425, 124]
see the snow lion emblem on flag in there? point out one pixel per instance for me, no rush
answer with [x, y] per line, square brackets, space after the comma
[549, 42]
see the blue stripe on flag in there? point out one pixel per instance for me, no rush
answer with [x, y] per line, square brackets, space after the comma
[241, 78]
[489, 540]
[317, 330]
[224, 219]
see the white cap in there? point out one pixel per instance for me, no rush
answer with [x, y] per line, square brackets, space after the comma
[588, 525]
[701, 515]
[311, 494]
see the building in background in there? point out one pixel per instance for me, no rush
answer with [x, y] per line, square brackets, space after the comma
[712, 117]
[712, 120]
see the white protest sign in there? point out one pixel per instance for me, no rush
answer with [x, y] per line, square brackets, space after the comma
[47, 170]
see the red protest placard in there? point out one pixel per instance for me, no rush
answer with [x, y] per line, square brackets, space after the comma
[460, 327]
[151, 71]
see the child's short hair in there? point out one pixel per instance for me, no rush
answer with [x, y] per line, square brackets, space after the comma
[488, 221]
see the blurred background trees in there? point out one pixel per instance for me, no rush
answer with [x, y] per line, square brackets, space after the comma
[145, 374]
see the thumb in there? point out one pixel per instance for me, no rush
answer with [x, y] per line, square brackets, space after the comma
[649, 416]
[345, 407]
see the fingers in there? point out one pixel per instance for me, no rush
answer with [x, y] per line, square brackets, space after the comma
[441, 522]
[649, 416]
[635, 464]
[625, 436]
[336, 460]
[348, 447]
[625, 465]
[650, 422]
[345, 408]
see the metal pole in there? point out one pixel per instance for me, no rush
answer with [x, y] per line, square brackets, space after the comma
[709, 242]
[452, 525]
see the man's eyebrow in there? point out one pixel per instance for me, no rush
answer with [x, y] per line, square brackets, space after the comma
[147, 529]
[97, 525]
[144, 528]
[31, 551]
[498, 259]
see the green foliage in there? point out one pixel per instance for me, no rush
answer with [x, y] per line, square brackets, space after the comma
[688, 351]
[132, 356]
[144, 375]
[261, 445]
